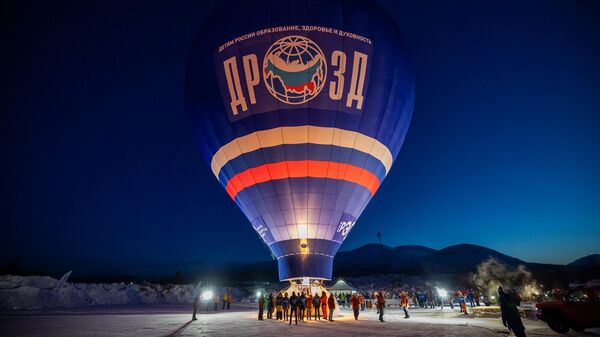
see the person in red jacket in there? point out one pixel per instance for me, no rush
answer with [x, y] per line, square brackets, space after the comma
[355, 302]
[380, 305]
[361, 298]
[324, 304]
[404, 303]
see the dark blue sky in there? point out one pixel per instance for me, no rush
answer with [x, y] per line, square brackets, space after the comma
[99, 162]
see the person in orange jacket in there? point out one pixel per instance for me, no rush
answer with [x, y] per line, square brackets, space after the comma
[361, 298]
[462, 301]
[226, 300]
[324, 304]
[404, 303]
[229, 299]
[355, 302]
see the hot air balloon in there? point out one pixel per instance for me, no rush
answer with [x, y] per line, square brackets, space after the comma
[300, 108]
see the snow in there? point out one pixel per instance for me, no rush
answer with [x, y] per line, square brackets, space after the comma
[33, 306]
[39, 292]
[174, 320]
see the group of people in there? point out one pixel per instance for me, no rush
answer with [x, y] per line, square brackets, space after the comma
[305, 306]
[227, 298]
[297, 307]
[431, 299]
[380, 304]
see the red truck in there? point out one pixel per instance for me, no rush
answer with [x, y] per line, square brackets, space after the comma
[578, 310]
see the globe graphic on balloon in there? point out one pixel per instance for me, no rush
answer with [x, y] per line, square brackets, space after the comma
[294, 69]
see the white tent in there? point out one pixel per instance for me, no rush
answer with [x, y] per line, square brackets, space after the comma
[341, 286]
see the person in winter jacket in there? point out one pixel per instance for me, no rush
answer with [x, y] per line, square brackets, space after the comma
[309, 305]
[404, 303]
[195, 306]
[421, 299]
[355, 303]
[361, 298]
[462, 302]
[470, 298]
[216, 300]
[331, 306]
[301, 306]
[380, 305]
[286, 306]
[317, 306]
[324, 304]
[294, 307]
[279, 307]
[261, 307]
[270, 305]
[229, 299]
[510, 314]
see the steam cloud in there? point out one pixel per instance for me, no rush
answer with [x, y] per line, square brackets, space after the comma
[492, 274]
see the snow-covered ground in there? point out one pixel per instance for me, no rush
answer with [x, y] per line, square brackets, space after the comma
[174, 320]
[44, 292]
[39, 292]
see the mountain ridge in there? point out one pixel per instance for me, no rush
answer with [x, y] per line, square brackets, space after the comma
[369, 259]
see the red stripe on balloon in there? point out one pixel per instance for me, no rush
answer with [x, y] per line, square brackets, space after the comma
[302, 169]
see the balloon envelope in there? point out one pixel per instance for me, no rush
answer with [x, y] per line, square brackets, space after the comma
[300, 108]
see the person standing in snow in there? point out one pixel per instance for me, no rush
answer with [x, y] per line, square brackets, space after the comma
[380, 305]
[470, 298]
[420, 299]
[270, 306]
[361, 299]
[324, 304]
[261, 307]
[195, 306]
[216, 302]
[226, 300]
[462, 302]
[355, 302]
[404, 303]
[309, 305]
[302, 306]
[510, 313]
[286, 306]
[317, 306]
[331, 306]
[294, 307]
[279, 307]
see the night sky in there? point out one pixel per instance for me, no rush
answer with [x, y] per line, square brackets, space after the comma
[99, 164]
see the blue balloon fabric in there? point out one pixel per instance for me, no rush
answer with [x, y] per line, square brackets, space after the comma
[300, 108]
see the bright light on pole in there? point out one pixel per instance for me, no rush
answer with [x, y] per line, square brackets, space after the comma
[442, 292]
[207, 295]
[258, 294]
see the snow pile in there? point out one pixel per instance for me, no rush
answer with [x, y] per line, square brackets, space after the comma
[39, 292]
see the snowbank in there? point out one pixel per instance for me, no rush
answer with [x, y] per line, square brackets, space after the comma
[39, 292]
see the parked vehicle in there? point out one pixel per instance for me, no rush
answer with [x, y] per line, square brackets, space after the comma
[579, 309]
